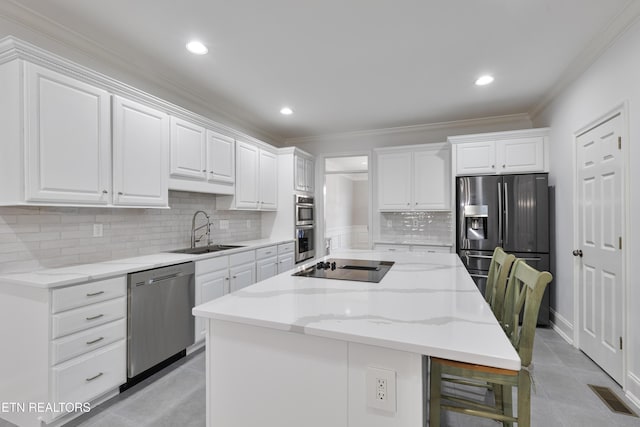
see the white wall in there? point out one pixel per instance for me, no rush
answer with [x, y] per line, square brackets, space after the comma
[612, 80]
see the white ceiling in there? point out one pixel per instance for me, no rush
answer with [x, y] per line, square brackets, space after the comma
[347, 65]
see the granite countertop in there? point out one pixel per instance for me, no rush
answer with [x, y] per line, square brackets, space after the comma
[426, 304]
[63, 276]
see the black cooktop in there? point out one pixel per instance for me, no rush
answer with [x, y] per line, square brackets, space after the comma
[359, 270]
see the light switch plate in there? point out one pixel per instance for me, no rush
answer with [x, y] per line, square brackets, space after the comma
[381, 389]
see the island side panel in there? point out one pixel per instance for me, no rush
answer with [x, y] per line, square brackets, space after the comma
[408, 390]
[266, 377]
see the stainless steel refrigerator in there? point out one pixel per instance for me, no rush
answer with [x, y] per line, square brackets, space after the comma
[511, 211]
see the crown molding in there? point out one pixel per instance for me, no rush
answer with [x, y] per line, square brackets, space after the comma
[598, 45]
[450, 125]
[493, 136]
[87, 47]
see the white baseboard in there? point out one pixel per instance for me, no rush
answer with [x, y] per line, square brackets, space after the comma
[562, 326]
[632, 389]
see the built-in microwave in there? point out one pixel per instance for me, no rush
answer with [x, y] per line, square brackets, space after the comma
[304, 210]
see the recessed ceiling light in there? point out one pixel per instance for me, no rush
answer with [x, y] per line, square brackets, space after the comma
[484, 80]
[286, 111]
[196, 47]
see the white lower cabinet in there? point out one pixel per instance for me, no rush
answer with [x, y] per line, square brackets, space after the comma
[412, 248]
[286, 259]
[212, 281]
[266, 262]
[242, 275]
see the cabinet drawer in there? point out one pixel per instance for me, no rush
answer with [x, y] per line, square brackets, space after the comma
[392, 248]
[242, 258]
[212, 264]
[431, 249]
[87, 317]
[285, 248]
[88, 293]
[88, 376]
[79, 343]
[267, 252]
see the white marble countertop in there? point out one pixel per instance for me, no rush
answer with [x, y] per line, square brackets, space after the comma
[63, 276]
[426, 304]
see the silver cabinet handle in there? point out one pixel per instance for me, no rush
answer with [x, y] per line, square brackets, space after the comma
[503, 166]
[94, 377]
[95, 341]
[120, 193]
[95, 293]
[493, 166]
[204, 170]
[104, 191]
[95, 317]
[226, 278]
[235, 277]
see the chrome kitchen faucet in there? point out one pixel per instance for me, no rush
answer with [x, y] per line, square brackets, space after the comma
[194, 229]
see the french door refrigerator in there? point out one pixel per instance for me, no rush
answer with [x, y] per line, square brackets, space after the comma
[510, 211]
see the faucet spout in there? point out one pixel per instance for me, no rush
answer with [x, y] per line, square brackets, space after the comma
[194, 228]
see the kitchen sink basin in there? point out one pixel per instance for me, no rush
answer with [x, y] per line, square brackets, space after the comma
[205, 249]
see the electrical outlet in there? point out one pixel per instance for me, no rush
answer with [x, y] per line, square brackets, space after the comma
[97, 230]
[224, 224]
[381, 389]
[415, 222]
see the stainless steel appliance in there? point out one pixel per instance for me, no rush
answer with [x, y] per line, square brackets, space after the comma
[305, 227]
[511, 211]
[304, 210]
[159, 320]
[348, 269]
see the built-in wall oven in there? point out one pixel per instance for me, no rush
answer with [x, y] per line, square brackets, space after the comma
[305, 227]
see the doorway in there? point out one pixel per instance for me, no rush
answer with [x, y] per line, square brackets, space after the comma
[346, 202]
[599, 256]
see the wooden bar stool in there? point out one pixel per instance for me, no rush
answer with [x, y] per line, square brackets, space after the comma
[497, 281]
[524, 292]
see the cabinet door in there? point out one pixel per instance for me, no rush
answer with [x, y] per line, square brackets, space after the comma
[209, 287]
[242, 276]
[68, 139]
[221, 159]
[309, 173]
[188, 145]
[246, 175]
[431, 179]
[285, 262]
[394, 181]
[476, 158]
[392, 248]
[268, 181]
[266, 268]
[300, 174]
[140, 154]
[520, 155]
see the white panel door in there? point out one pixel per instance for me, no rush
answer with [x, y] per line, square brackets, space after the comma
[68, 139]
[266, 268]
[221, 158]
[520, 155]
[394, 181]
[246, 175]
[188, 150]
[309, 173]
[300, 174]
[285, 262]
[209, 287]
[431, 179]
[242, 276]
[600, 216]
[268, 181]
[475, 158]
[140, 154]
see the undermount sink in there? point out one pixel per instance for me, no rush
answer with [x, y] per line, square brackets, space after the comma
[205, 249]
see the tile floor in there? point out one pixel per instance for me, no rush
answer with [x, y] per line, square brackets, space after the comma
[176, 395]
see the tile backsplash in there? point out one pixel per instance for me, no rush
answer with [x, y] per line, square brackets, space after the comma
[416, 226]
[42, 237]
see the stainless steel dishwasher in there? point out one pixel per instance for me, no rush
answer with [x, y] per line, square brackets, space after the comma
[159, 320]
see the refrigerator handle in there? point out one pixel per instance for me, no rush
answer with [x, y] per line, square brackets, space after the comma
[499, 215]
[506, 213]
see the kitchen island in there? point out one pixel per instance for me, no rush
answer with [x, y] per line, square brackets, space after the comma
[292, 351]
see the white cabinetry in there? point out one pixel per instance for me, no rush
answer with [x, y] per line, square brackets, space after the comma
[242, 270]
[286, 259]
[501, 152]
[414, 178]
[188, 150]
[256, 179]
[386, 247]
[212, 281]
[68, 139]
[304, 173]
[266, 262]
[221, 158]
[140, 154]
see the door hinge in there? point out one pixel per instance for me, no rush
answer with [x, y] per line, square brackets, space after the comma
[619, 143]
[620, 343]
[620, 243]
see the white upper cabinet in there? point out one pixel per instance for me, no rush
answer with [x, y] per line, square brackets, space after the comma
[522, 151]
[140, 154]
[68, 139]
[304, 173]
[188, 150]
[414, 179]
[256, 179]
[221, 158]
